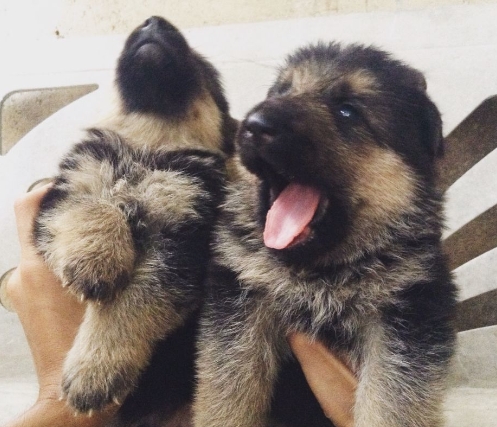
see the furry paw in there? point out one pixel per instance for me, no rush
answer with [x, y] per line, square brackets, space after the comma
[89, 387]
[91, 283]
[89, 246]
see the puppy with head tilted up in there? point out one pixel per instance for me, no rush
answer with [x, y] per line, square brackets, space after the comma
[335, 233]
[127, 223]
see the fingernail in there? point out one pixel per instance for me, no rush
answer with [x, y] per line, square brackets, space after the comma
[4, 300]
[39, 183]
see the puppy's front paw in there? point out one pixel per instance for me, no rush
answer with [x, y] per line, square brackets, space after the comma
[89, 387]
[91, 248]
[94, 282]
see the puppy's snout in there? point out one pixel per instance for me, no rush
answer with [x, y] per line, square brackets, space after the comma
[151, 24]
[259, 126]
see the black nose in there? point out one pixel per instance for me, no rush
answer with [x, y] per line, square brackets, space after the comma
[152, 23]
[259, 126]
[157, 23]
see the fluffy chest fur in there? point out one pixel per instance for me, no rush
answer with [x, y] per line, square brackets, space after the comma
[335, 303]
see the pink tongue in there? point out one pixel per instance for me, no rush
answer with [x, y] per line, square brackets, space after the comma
[290, 214]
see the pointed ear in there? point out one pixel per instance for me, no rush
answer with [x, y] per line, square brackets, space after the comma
[415, 79]
[432, 119]
[433, 129]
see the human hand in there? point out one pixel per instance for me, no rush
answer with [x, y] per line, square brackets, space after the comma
[330, 380]
[50, 317]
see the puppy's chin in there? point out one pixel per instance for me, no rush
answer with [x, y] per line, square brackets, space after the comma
[153, 57]
[157, 72]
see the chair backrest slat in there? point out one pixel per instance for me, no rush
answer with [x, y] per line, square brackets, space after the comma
[473, 239]
[477, 312]
[469, 142]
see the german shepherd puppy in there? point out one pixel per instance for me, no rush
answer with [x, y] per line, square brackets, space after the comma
[336, 233]
[127, 223]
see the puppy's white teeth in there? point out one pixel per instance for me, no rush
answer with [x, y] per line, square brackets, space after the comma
[90, 413]
[272, 195]
[116, 401]
[82, 298]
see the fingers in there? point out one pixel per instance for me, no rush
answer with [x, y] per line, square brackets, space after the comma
[31, 265]
[26, 208]
[331, 381]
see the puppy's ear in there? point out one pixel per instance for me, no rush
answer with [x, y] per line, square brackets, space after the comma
[432, 120]
[432, 125]
[416, 79]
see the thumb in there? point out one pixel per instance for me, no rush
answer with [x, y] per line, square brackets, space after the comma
[330, 380]
[26, 208]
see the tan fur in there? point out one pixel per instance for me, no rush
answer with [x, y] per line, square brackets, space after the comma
[102, 258]
[201, 128]
[169, 196]
[361, 82]
[121, 351]
[92, 177]
[309, 79]
[252, 377]
[380, 394]
[383, 182]
[116, 340]
[94, 236]
[383, 187]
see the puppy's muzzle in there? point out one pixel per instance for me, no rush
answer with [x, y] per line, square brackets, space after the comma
[271, 120]
[260, 128]
[270, 140]
[257, 135]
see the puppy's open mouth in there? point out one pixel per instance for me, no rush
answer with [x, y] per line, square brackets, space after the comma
[294, 209]
[292, 205]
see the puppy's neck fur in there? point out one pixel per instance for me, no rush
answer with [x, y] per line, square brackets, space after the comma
[200, 127]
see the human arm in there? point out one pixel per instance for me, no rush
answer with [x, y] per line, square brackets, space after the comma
[50, 318]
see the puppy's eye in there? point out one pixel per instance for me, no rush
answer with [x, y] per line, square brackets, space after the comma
[347, 111]
[284, 87]
[280, 89]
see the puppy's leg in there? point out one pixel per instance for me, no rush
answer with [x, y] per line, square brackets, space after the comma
[82, 231]
[401, 382]
[116, 340]
[170, 214]
[237, 364]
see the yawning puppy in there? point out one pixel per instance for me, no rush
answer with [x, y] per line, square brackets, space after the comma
[127, 223]
[336, 233]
